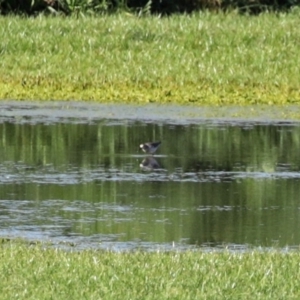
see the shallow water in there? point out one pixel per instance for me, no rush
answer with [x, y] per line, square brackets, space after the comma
[73, 175]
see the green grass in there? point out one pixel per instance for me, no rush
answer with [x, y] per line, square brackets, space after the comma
[203, 58]
[35, 272]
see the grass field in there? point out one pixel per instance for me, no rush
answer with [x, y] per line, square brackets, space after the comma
[204, 58]
[36, 272]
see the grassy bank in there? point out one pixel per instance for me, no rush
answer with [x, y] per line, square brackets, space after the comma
[33, 272]
[202, 59]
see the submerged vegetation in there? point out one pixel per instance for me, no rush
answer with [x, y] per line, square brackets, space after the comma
[36, 272]
[203, 58]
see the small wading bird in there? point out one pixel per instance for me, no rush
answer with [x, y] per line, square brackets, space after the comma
[150, 147]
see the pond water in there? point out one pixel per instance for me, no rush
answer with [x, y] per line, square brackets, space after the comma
[75, 177]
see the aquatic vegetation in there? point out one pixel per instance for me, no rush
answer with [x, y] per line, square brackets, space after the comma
[204, 58]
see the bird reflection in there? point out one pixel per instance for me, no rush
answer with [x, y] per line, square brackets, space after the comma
[149, 163]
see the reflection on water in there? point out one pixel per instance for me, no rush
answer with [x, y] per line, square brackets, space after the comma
[149, 163]
[210, 185]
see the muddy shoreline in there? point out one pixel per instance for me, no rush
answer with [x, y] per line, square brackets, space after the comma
[62, 111]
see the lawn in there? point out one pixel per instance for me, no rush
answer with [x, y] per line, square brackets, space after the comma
[203, 58]
[39, 272]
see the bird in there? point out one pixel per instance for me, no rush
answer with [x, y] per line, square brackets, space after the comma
[150, 147]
